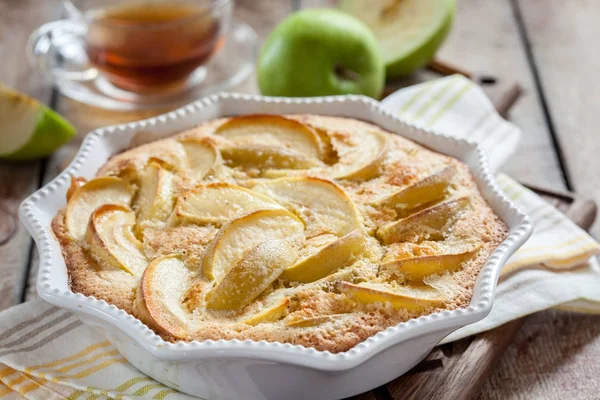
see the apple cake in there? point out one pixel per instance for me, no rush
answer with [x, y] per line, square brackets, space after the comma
[301, 229]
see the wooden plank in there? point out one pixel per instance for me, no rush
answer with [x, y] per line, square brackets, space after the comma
[554, 356]
[17, 20]
[553, 349]
[460, 376]
[263, 16]
[485, 40]
[563, 39]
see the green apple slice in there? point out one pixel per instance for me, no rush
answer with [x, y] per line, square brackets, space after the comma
[257, 269]
[410, 297]
[409, 31]
[418, 268]
[328, 259]
[238, 236]
[205, 204]
[29, 129]
[431, 223]
[270, 313]
[321, 204]
[431, 188]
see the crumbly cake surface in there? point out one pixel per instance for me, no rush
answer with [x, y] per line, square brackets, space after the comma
[324, 313]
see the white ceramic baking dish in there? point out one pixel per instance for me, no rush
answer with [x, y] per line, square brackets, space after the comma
[261, 370]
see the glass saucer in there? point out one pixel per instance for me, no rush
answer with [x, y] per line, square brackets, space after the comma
[233, 63]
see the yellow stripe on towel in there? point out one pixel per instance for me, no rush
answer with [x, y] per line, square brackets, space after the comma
[88, 361]
[86, 372]
[4, 390]
[433, 99]
[415, 97]
[453, 100]
[75, 395]
[74, 357]
[163, 394]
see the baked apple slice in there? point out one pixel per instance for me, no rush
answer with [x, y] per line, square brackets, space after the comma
[202, 156]
[321, 204]
[429, 224]
[242, 234]
[111, 240]
[265, 157]
[427, 190]
[272, 131]
[155, 197]
[417, 268]
[270, 313]
[252, 274]
[364, 161]
[76, 183]
[130, 164]
[328, 259]
[301, 322]
[159, 298]
[411, 297]
[91, 195]
[217, 203]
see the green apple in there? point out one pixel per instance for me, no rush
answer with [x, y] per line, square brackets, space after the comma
[29, 129]
[409, 31]
[318, 52]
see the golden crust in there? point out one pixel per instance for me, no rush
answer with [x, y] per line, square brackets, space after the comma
[318, 315]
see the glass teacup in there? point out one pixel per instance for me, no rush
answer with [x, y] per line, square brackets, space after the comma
[135, 48]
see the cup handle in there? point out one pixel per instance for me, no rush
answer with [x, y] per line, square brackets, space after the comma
[51, 49]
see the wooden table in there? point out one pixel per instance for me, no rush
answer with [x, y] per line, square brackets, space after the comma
[548, 46]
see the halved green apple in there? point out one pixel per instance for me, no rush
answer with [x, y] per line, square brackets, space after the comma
[417, 268]
[425, 191]
[91, 195]
[409, 297]
[321, 204]
[238, 236]
[272, 131]
[270, 313]
[429, 224]
[328, 259]
[255, 271]
[217, 203]
[409, 31]
[111, 240]
[159, 298]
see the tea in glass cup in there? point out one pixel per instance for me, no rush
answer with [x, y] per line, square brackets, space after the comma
[151, 45]
[136, 45]
[144, 54]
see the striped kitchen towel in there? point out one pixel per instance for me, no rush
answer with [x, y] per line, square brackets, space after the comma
[47, 353]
